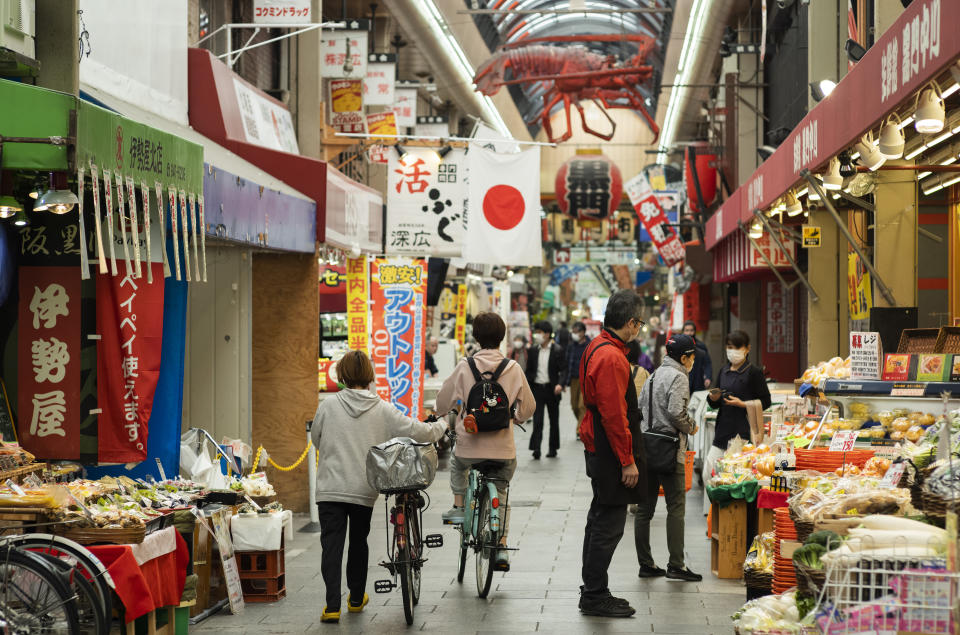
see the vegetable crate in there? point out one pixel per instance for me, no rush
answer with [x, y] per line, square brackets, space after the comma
[687, 471]
[263, 574]
[728, 539]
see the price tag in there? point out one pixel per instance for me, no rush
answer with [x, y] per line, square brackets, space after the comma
[843, 440]
[865, 355]
[16, 488]
[893, 475]
[163, 475]
[784, 431]
[908, 391]
[251, 501]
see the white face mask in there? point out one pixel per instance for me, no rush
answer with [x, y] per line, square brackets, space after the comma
[575, 337]
[518, 344]
[538, 339]
[736, 355]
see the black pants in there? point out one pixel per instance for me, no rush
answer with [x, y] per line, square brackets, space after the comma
[605, 524]
[333, 534]
[545, 397]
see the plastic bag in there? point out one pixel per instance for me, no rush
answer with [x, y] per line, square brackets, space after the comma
[196, 461]
[401, 464]
[760, 556]
[879, 501]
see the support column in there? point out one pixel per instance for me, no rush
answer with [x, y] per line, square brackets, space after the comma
[823, 42]
[895, 235]
[823, 316]
[56, 45]
[309, 99]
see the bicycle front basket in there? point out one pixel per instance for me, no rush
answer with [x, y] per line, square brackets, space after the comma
[401, 464]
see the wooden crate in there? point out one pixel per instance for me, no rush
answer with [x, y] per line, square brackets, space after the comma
[728, 540]
[203, 561]
[764, 520]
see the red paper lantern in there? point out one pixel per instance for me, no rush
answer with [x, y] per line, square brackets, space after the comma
[589, 187]
[705, 162]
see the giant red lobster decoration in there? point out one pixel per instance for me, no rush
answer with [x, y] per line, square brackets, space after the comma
[571, 75]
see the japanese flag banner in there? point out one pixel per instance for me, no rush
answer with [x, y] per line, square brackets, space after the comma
[647, 206]
[426, 199]
[503, 220]
[130, 324]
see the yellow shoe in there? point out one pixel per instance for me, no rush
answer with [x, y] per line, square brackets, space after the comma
[356, 609]
[330, 616]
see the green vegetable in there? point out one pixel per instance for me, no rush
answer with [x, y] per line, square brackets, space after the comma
[809, 555]
[805, 604]
[824, 537]
[236, 486]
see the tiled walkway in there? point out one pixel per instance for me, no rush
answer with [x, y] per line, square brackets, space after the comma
[549, 499]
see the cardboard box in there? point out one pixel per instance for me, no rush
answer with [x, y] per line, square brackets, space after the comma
[728, 540]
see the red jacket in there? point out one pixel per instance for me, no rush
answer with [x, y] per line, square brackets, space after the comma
[604, 384]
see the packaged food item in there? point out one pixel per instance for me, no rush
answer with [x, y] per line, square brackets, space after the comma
[901, 424]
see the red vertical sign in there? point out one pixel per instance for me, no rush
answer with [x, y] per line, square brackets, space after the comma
[647, 206]
[130, 324]
[49, 362]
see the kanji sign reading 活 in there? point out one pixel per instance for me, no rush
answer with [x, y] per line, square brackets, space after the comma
[130, 324]
[859, 288]
[426, 200]
[344, 54]
[405, 107]
[48, 412]
[379, 82]
[358, 294]
[865, 355]
[780, 311]
[282, 12]
[648, 208]
[398, 288]
[346, 105]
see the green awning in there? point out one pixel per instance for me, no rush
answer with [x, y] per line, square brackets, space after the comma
[28, 111]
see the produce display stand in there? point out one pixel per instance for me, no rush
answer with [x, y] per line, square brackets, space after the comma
[728, 539]
[17, 474]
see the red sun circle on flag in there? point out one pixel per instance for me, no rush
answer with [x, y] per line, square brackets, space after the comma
[503, 206]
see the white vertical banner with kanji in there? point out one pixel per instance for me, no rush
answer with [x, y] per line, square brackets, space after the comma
[130, 325]
[405, 106]
[656, 223]
[337, 48]
[378, 85]
[48, 370]
[426, 201]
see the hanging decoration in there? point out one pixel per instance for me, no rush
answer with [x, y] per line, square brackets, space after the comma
[589, 187]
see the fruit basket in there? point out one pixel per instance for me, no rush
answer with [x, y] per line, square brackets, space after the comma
[948, 340]
[918, 340]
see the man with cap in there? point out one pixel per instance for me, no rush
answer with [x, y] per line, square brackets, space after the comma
[663, 406]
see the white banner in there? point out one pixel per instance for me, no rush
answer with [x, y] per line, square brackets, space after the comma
[378, 85]
[265, 122]
[335, 49]
[405, 106]
[426, 199]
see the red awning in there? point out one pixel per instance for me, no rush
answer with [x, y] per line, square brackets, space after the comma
[917, 48]
[736, 260]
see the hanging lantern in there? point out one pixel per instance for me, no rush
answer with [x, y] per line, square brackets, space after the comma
[704, 161]
[563, 228]
[625, 227]
[589, 187]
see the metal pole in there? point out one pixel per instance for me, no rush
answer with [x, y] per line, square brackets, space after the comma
[884, 289]
[793, 263]
[746, 233]
[314, 525]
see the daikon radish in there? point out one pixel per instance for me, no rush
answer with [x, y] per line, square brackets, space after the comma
[898, 523]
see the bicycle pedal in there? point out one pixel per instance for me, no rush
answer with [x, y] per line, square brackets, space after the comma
[384, 586]
[453, 524]
[433, 540]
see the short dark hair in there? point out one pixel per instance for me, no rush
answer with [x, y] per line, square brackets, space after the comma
[738, 339]
[689, 323]
[580, 327]
[623, 306]
[489, 329]
[354, 370]
[544, 326]
[563, 324]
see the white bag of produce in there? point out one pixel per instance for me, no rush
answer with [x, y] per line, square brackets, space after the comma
[196, 461]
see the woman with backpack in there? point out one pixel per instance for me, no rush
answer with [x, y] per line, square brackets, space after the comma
[509, 401]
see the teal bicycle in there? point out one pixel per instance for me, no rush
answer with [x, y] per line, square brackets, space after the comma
[482, 527]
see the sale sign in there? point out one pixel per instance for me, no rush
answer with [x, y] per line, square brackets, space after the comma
[398, 290]
[346, 105]
[358, 294]
[647, 206]
[49, 362]
[130, 324]
[382, 123]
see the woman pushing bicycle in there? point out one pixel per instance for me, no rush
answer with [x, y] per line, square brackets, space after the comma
[344, 429]
[496, 394]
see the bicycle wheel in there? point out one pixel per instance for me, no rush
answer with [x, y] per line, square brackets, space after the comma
[406, 584]
[76, 555]
[92, 620]
[416, 552]
[486, 546]
[33, 595]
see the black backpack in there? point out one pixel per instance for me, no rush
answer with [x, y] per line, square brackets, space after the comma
[487, 401]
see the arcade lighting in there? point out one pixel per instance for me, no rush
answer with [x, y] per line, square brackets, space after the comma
[58, 198]
[870, 156]
[891, 138]
[794, 207]
[822, 89]
[832, 179]
[929, 112]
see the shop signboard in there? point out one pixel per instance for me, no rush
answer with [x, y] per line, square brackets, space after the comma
[398, 291]
[811, 236]
[426, 203]
[344, 54]
[378, 85]
[346, 105]
[282, 12]
[405, 106]
[460, 332]
[780, 312]
[130, 325]
[266, 122]
[49, 362]
[656, 223]
[433, 126]
[859, 288]
[866, 352]
[773, 253]
[333, 279]
[358, 310]
[381, 123]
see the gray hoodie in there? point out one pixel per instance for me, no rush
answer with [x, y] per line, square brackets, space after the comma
[345, 428]
[671, 392]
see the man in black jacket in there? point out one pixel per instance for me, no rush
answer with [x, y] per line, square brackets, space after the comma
[546, 375]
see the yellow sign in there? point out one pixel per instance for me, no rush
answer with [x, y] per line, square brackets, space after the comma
[461, 331]
[811, 236]
[859, 288]
[358, 292]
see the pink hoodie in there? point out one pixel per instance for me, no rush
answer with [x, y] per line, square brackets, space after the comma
[486, 445]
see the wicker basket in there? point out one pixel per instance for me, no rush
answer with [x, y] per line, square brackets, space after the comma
[948, 339]
[98, 535]
[918, 341]
[809, 580]
[758, 579]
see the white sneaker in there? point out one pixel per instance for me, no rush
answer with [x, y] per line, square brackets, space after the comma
[453, 516]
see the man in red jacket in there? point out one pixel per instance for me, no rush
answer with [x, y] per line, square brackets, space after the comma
[609, 448]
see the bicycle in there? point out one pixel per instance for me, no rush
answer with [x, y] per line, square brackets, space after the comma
[482, 529]
[405, 553]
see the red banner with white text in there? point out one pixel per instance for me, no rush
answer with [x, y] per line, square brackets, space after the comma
[398, 291]
[48, 370]
[130, 324]
[647, 206]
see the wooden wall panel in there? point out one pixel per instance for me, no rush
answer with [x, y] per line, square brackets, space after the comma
[285, 343]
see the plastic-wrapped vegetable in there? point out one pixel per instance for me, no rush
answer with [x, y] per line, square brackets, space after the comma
[760, 556]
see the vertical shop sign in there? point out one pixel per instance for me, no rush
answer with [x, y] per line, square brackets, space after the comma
[779, 318]
[357, 306]
[379, 83]
[130, 324]
[344, 54]
[648, 208]
[381, 123]
[858, 288]
[49, 362]
[461, 329]
[405, 106]
[398, 288]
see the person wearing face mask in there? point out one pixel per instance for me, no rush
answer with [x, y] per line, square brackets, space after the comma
[578, 344]
[663, 407]
[546, 374]
[702, 372]
[518, 351]
[741, 395]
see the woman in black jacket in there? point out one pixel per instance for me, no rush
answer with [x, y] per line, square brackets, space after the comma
[740, 393]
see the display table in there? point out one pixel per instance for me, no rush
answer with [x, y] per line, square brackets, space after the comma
[767, 501]
[261, 532]
[723, 495]
[147, 576]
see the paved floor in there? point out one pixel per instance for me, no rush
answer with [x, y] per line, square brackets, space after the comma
[549, 499]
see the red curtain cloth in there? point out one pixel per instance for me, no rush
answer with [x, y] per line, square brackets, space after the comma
[768, 499]
[144, 588]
